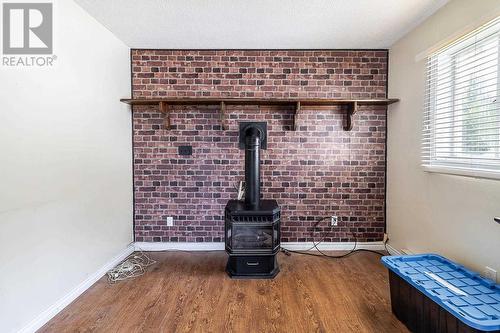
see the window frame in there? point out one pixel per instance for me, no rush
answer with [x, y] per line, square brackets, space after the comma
[430, 161]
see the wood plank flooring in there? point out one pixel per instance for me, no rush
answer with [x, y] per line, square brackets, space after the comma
[190, 292]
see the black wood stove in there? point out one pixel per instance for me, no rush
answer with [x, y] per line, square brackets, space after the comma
[252, 226]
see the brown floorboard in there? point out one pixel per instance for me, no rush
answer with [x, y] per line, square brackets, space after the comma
[190, 292]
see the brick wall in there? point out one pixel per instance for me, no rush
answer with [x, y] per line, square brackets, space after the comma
[317, 171]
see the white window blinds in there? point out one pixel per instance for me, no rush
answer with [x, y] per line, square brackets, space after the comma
[461, 128]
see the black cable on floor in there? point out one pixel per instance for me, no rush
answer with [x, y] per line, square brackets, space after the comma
[322, 254]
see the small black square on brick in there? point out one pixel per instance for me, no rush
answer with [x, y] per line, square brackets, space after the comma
[185, 150]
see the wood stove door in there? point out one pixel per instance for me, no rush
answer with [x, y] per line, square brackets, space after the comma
[252, 237]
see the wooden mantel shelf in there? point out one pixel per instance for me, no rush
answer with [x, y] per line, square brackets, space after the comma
[350, 105]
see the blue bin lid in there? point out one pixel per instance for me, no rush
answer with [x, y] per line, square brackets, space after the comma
[472, 299]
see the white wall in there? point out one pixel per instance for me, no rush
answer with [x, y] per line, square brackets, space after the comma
[450, 215]
[65, 170]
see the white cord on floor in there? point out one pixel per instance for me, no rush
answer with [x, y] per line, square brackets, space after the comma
[135, 265]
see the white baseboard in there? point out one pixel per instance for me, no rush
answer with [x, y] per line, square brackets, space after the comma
[219, 246]
[55, 308]
[178, 246]
[393, 251]
[332, 246]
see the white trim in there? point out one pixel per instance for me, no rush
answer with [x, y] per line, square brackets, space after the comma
[462, 172]
[333, 246]
[459, 34]
[296, 246]
[178, 246]
[59, 305]
[393, 251]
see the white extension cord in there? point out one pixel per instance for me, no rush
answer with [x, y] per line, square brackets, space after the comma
[135, 265]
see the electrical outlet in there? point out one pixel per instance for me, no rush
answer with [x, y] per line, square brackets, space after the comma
[334, 221]
[490, 273]
[170, 221]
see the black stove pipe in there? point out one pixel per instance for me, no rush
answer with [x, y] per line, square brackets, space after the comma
[252, 168]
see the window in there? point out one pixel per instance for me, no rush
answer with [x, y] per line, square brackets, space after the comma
[461, 129]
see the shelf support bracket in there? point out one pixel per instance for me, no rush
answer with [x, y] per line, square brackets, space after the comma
[223, 115]
[350, 109]
[296, 115]
[164, 109]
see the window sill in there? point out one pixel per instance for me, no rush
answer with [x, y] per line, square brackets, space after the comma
[463, 172]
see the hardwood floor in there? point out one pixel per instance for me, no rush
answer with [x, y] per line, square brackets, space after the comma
[190, 292]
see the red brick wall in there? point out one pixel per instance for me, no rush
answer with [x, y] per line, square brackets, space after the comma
[319, 170]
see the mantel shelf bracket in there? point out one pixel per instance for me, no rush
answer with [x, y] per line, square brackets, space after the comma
[350, 109]
[223, 115]
[164, 109]
[295, 116]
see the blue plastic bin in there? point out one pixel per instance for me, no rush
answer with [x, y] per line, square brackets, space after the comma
[430, 293]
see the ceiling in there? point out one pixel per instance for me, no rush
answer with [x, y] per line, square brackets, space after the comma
[260, 24]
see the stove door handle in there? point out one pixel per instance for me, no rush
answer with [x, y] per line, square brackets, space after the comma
[256, 263]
